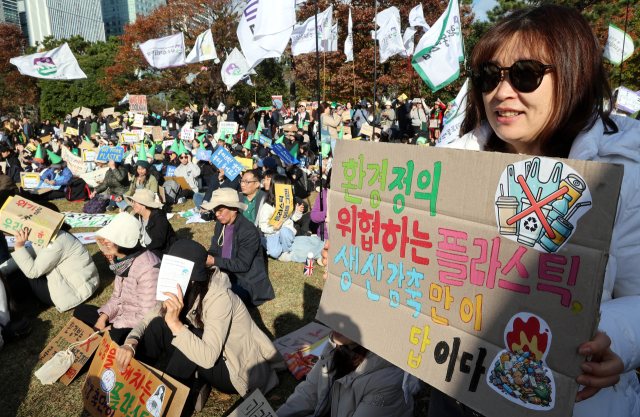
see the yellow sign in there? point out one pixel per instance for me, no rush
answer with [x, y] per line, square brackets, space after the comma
[285, 204]
[29, 181]
[247, 163]
[71, 131]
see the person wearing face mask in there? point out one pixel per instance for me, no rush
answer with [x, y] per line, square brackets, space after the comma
[236, 249]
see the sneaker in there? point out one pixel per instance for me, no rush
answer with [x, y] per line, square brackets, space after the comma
[112, 208]
[320, 262]
[182, 200]
[285, 257]
[16, 330]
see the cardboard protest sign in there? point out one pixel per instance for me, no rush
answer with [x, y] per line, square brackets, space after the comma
[180, 180]
[247, 163]
[203, 155]
[45, 139]
[187, 134]
[301, 349]
[89, 155]
[227, 128]
[73, 332]
[75, 164]
[85, 112]
[156, 133]
[285, 204]
[92, 178]
[223, 159]
[138, 104]
[167, 143]
[290, 128]
[76, 220]
[116, 114]
[283, 154]
[502, 270]
[367, 130]
[139, 391]
[18, 213]
[170, 171]
[76, 112]
[71, 131]
[29, 180]
[138, 120]
[114, 125]
[108, 111]
[255, 405]
[628, 100]
[108, 153]
[265, 140]
[130, 137]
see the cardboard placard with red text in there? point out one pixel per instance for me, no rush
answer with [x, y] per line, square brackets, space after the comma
[480, 273]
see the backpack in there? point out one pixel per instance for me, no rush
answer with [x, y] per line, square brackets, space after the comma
[96, 205]
[77, 190]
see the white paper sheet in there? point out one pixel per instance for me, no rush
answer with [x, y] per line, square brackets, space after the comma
[173, 270]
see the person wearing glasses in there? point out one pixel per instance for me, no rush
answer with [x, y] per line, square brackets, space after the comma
[251, 194]
[190, 172]
[538, 86]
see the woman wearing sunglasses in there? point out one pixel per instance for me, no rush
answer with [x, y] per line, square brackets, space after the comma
[538, 89]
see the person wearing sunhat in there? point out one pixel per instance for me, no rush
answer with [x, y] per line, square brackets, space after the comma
[156, 226]
[207, 330]
[236, 248]
[387, 116]
[58, 175]
[134, 289]
[189, 171]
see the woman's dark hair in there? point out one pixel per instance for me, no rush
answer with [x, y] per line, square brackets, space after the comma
[323, 106]
[346, 360]
[130, 251]
[271, 194]
[558, 36]
[196, 290]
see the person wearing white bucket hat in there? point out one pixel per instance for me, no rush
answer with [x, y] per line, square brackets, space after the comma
[236, 248]
[154, 221]
[134, 289]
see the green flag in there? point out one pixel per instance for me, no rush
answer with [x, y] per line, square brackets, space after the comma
[341, 134]
[258, 130]
[280, 139]
[326, 148]
[294, 151]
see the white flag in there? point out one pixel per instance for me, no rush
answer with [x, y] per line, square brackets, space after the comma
[455, 117]
[333, 44]
[439, 53]
[390, 40]
[125, 100]
[416, 18]
[613, 49]
[348, 43]
[273, 23]
[203, 50]
[192, 76]
[253, 52]
[235, 68]
[303, 37]
[408, 41]
[56, 64]
[164, 52]
[327, 25]
[384, 15]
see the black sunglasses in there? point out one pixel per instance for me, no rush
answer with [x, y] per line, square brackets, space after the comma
[526, 76]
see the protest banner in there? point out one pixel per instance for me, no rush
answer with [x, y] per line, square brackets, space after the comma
[628, 100]
[108, 153]
[114, 125]
[227, 128]
[138, 104]
[76, 111]
[285, 204]
[187, 134]
[247, 163]
[170, 171]
[138, 391]
[45, 139]
[156, 133]
[29, 180]
[71, 131]
[255, 405]
[18, 213]
[107, 112]
[87, 220]
[203, 155]
[302, 348]
[73, 332]
[85, 112]
[265, 140]
[283, 154]
[89, 155]
[138, 120]
[486, 268]
[75, 164]
[130, 137]
[223, 159]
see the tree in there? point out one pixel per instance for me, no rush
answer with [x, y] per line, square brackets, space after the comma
[394, 77]
[59, 97]
[17, 92]
[268, 82]
[131, 73]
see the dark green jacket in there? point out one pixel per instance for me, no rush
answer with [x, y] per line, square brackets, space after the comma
[115, 180]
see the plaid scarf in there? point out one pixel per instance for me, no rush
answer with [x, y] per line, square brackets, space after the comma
[121, 267]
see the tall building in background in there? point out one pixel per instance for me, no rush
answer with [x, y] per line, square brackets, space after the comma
[9, 12]
[23, 19]
[64, 19]
[118, 13]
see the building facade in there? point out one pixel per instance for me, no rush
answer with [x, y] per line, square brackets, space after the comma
[23, 20]
[118, 13]
[64, 19]
[9, 12]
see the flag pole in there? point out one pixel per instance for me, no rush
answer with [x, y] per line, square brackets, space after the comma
[375, 66]
[624, 40]
[319, 117]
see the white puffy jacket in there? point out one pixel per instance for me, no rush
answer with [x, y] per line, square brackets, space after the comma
[620, 306]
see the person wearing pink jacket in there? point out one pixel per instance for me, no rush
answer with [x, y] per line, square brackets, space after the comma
[134, 289]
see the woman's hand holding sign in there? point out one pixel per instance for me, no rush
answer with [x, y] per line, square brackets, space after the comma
[173, 305]
[602, 371]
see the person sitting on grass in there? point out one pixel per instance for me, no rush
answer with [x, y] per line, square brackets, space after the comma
[58, 175]
[143, 180]
[252, 195]
[115, 183]
[189, 171]
[207, 330]
[236, 249]
[156, 226]
[134, 288]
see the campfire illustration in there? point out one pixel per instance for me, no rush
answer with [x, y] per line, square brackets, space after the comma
[519, 372]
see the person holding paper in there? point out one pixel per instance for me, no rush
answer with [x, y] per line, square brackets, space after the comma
[349, 380]
[115, 183]
[190, 172]
[207, 330]
[58, 175]
[134, 288]
[156, 226]
[329, 121]
[236, 249]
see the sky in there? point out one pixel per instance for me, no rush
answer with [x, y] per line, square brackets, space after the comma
[480, 8]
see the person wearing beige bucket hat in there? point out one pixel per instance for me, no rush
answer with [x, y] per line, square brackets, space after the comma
[237, 250]
[156, 226]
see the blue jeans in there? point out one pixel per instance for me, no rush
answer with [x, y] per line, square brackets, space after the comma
[198, 199]
[266, 132]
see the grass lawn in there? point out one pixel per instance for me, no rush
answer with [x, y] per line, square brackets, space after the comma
[22, 394]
